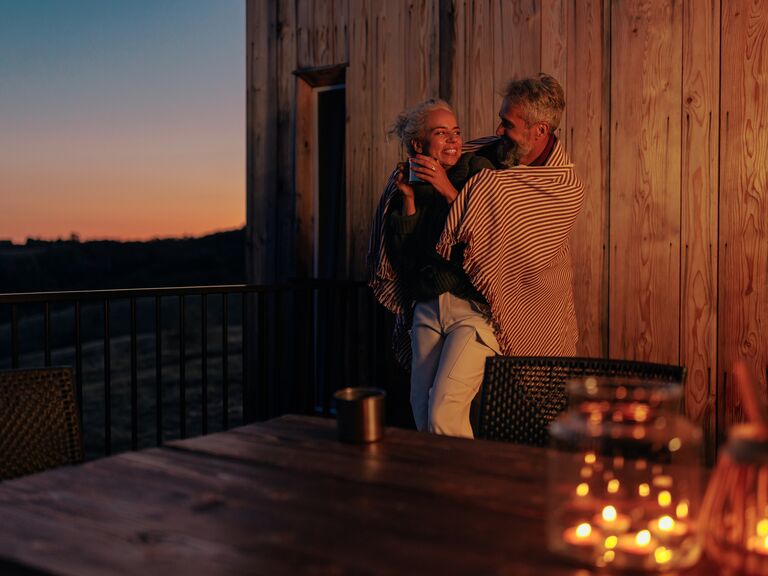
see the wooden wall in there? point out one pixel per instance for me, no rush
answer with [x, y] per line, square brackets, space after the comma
[666, 121]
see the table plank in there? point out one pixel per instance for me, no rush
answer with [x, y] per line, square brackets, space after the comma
[284, 497]
[482, 472]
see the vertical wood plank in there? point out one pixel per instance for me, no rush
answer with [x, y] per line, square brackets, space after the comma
[587, 97]
[480, 118]
[698, 331]
[304, 30]
[389, 78]
[645, 180]
[446, 22]
[361, 193]
[285, 198]
[743, 241]
[516, 48]
[421, 58]
[458, 85]
[305, 178]
[261, 158]
[554, 56]
[322, 33]
[321, 27]
[339, 32]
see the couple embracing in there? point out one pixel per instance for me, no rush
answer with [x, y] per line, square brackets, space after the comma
[470, 247]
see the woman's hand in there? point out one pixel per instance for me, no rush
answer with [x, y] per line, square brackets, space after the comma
[401, 181]
[430, 170]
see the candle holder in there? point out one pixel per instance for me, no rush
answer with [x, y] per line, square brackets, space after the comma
[625, 476]
[735, 510]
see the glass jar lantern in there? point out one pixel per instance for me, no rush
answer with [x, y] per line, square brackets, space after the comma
[735, 510]
[625, 476]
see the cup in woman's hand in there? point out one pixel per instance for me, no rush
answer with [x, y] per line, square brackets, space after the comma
[412, 176]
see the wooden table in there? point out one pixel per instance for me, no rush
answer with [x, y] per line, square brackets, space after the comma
[285, 497]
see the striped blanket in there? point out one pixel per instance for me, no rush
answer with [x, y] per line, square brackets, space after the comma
[516, 225]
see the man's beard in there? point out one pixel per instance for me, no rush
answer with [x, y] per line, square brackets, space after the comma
[509, 152]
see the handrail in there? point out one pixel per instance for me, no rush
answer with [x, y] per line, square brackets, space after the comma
[113, 293]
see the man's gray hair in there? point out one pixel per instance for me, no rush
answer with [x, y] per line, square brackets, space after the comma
[540, 98]
[411, 124]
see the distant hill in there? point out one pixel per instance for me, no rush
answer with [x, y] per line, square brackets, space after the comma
[42, 265]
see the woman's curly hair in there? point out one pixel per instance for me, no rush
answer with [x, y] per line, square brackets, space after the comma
[410, 124]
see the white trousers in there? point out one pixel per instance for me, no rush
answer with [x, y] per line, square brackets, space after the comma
[450, 342]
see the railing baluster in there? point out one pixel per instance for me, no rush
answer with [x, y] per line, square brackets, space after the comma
[107, 383]
[262, 383]
[243, 353]
[225, 360]
[159, 370]
[309, 346]
[204, 359]
[134, 381]
[79, 361]
[47, 333]
[182, 371]
[14, 336]
[373, 335]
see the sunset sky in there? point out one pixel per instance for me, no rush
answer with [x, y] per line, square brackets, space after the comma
[121, 119]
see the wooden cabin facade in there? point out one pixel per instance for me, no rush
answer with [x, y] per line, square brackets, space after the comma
[666, 122]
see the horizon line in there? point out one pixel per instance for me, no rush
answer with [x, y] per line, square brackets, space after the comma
[75, 237]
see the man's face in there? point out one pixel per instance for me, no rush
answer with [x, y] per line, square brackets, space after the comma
[516, 138]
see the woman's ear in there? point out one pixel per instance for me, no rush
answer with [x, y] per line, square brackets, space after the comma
[417, 146]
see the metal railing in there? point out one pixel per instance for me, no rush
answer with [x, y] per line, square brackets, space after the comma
[164, 363]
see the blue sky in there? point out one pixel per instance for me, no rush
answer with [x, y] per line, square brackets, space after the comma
[121, 119]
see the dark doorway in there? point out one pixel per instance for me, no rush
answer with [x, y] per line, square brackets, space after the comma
[331, 212]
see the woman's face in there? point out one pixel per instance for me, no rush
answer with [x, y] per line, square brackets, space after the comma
[442, 138]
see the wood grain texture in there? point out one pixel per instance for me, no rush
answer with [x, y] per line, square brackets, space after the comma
[701, 89]
[314, 33]
[390, 76]
[285, 497]
[340, 31]
[645, 180]
[458, 96]
[480, 115]
[743, 240]
[421, 57]
[285, 198]
[554, 55]
[517, 49]
[587, 99]
[261, 141]
[361, 192]
[305, 178]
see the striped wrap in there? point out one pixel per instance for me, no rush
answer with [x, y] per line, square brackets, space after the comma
[516, 224]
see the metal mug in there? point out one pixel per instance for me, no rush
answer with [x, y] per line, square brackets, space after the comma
[412, 176]
[360, 414]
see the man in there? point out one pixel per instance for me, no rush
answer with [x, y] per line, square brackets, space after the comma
[516, 223]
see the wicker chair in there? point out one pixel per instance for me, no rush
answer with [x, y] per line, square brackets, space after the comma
[522, 395]
[39, 427]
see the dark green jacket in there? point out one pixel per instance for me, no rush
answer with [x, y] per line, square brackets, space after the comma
[411, 240]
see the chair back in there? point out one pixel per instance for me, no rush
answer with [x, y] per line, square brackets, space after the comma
[39, 426]
[522, 395]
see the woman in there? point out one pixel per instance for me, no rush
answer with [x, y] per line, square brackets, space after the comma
[450, 336]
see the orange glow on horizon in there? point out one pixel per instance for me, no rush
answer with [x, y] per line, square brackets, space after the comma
[142, 203]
